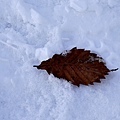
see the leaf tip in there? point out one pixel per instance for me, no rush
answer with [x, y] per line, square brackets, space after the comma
[114, 69]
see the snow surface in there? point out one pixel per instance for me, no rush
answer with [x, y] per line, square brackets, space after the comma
[32, 31]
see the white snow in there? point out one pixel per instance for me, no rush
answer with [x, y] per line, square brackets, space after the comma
[32, 31]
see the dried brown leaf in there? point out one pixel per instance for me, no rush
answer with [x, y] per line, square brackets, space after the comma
[78, 66]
